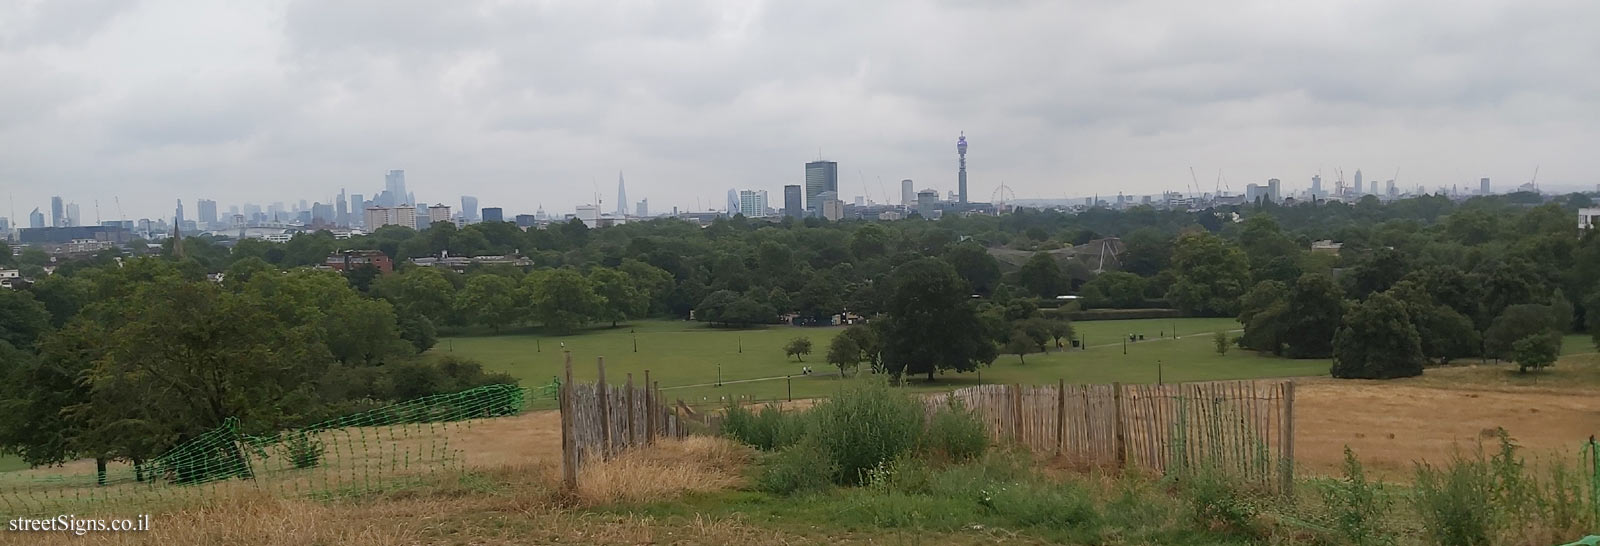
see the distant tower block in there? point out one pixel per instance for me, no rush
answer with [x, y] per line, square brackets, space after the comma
[961, 179]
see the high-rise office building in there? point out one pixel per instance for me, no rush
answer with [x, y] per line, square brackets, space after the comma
[1359, 189]
[469, 208]
[733, 202]
[622, 196]
[961, 181]
[642, 210]
[323, 213]
[422, 217]
[1390, 190]
[178, 216]
[821, 176]
[394, 184]
[74, 216]
[208, 212]
[1483, 186]
[493, 214]
[357, 207]
[1316, 185]
[927, 201]
[341, 210]
[526, 221]
[792, 205]
[831, 207]
[36, 218]
[1273, 191]
[908, 195]
[58, 213]
[753, 204]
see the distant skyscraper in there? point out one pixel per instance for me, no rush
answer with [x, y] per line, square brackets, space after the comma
[753, 204]
[36, 218]
[927, 201]
[642, 210]
[376, 217]
[1316, 186]
[74, 217]
[323, 214]
[469, 208]
[961, 181]
[493, 214]
[179, 214]
[1483, 186]
[1273, 190]
[792, 205]
[394, 183]
[908, 195]
[1359, 189]
[622, 196]
[1390, 190]
[58, 213]
[832, 208]
[208, 211]
[821, 176]
[526, 221]
[422, 217]
[733, 202]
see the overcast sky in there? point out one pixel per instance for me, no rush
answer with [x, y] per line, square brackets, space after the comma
[529, 103]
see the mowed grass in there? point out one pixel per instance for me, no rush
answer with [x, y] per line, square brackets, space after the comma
[685, 357]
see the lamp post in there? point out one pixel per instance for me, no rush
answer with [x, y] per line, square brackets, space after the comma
[719, 375]
[1125, 345]
[635, 337]
[1158, 372]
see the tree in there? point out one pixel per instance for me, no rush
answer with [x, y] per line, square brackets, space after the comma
[5, 254]
[489, 300]
[625, 298]
[1313, 314]
[1018, 344]
[1536, 351]
[746, 310]
[715, 305]
[1208, 275]
[418, 291]
[653, 282]
[1147, 251]
[797, 348]
[1042, 277]
[1271, 254]
[22, 319]
[844, 353]
[562, 299]
[1220, 340]
[1377, 341]
[1114, 289]
[1446, 333]
[1376, 272]
[364, 331]
[1515, 323]
[1060, 328]
[418, 331]
[930, 324]
[974, 264]
[866, 339]
[1038, 331]
[1262, 311]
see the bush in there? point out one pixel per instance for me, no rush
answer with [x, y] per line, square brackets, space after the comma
[1356, 507]
[769, 430]
[303, 449]
[1043, 504]
[865, 424]
[803, 467]
[1456, 503]
[1119, 314]
[1218, 502]
[955, 433]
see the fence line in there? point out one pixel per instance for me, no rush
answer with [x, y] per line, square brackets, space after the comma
[1243, 427]
[600, 420]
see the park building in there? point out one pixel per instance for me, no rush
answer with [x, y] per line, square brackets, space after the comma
[1588, 218]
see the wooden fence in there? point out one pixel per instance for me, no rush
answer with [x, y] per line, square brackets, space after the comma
[600, 420]
[1242, 427]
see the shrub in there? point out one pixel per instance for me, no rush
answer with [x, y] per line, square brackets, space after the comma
[303, 449]
[1456, 503]
[1219, 502]
[865, 424]
[1356, 507]
[1043, 504]
[769, 430]
[955, 433]
[803, 467]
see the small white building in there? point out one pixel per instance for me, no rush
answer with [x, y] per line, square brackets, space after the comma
[1588, 218]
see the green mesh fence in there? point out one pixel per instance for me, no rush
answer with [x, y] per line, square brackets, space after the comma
[382, 448]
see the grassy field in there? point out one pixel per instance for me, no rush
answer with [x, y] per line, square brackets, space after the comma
[685, 358]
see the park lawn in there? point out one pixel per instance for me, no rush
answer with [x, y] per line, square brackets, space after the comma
[11, 462]
[685, 358]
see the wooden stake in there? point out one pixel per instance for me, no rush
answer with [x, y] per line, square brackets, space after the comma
[628, 391]
[605, 409]
[1119, 450]
[569, 447]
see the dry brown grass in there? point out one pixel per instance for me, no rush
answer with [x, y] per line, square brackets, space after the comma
[669, 469]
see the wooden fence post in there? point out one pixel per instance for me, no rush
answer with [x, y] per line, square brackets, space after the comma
[649, 412]
[629, 392]
[660, 410]
[1061, 416]
[569, 447]
[605, 409]
[1288, 439]
[1118, 441]
[1016, 414]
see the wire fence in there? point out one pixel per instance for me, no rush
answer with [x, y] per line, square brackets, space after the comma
[347, 455]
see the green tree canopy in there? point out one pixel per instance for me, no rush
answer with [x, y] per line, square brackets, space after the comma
[1209, 275]
[1314, 310]
[562, 299]
[930, 324]
[1377, 341]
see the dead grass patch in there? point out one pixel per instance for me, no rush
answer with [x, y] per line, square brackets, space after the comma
[664, 471]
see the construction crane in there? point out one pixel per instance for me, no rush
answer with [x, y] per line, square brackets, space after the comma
[1196, 187]
[1338, 184]
[1535, 180]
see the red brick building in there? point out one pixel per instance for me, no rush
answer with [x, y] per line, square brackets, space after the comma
[346, 260]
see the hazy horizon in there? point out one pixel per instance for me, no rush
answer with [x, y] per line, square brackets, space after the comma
[529, 105]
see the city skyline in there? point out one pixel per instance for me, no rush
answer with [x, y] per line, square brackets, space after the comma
[296, 100]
